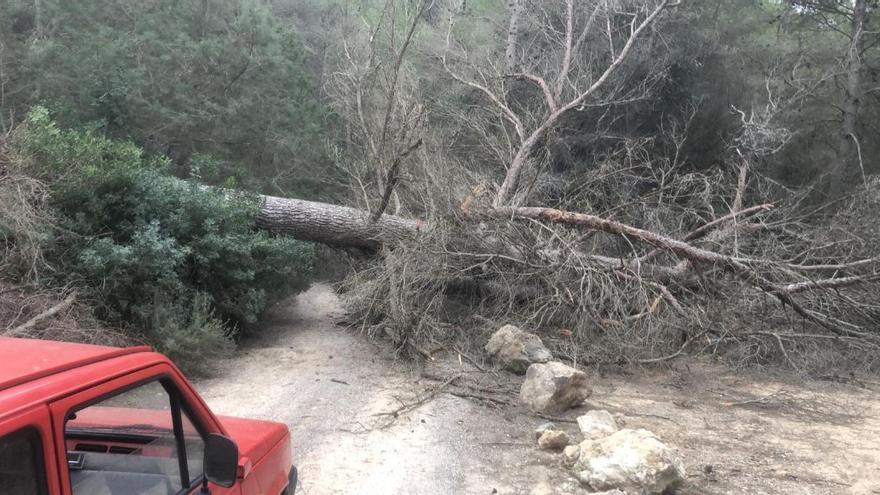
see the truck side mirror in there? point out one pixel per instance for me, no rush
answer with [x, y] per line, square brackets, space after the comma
[221, 460]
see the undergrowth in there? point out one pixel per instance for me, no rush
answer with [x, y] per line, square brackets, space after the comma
[172, 263]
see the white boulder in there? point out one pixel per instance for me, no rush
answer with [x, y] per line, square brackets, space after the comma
[597, 424]
[553, 388]
[634, 461]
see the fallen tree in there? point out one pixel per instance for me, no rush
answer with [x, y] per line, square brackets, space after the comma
[334, 225]
[348, 227]
[718, 261]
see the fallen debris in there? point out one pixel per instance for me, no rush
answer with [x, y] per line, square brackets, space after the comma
[553, 388]
[23, 328]
[419, 401]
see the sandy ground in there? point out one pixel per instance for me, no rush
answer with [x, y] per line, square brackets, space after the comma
[738, 432]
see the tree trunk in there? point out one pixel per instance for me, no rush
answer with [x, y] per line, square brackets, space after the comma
[516, 8]
[842, 170]
[334, 225]
[201, 27]
[38, 18]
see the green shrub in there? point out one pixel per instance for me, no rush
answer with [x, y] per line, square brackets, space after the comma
[177, 262]
[187, 331]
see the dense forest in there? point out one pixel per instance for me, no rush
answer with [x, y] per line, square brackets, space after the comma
[633, 179]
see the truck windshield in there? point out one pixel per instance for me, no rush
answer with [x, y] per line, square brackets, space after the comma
[137, 442]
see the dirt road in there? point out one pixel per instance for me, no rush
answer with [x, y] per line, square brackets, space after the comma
[334, 387]
[738, 433]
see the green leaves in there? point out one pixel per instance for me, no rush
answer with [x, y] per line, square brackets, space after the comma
[153, 252]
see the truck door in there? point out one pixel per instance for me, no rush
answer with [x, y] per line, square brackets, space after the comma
[135, 435]
[26, 452]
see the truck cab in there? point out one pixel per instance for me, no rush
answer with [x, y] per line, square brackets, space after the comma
[79, 419]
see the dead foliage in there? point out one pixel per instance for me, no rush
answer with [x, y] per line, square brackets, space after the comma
[27, 308]
[23, 219]
[726, 263]
[51, 315]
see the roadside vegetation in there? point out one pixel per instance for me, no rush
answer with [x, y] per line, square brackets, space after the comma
[166, 261]
[115, 117]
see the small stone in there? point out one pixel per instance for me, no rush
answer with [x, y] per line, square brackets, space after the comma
[544, 427]
[553, 440]
[597, 424]
[553, 388]
[570, 455]
[634, 461]
[515, 350]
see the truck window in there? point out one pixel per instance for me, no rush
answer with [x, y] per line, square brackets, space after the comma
[139, 442]
[21, 463]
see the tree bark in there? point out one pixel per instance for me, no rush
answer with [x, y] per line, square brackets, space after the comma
[842, 171]
[516, 8]
[38, 18]
[343, 226]
[334, 225]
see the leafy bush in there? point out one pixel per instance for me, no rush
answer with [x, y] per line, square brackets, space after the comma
[177, 262]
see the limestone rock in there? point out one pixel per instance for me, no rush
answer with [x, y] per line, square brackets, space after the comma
[553, 388]
[553, 440]
[597, 424]
[516, 350]
[634, 461]
[544, 427]
[570, 455]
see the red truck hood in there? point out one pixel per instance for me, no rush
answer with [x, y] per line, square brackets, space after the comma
[254, 438]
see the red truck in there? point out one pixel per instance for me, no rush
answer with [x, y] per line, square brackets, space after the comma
[80, 419]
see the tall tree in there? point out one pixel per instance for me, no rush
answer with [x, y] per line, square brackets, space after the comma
[567, 71]
[849, 147]
[848, 19]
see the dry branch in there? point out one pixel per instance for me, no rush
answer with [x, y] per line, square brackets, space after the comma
[558, 109]
[28, 325]
[553, 215]
[829, 283]
[558, 105]
[418, 402]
